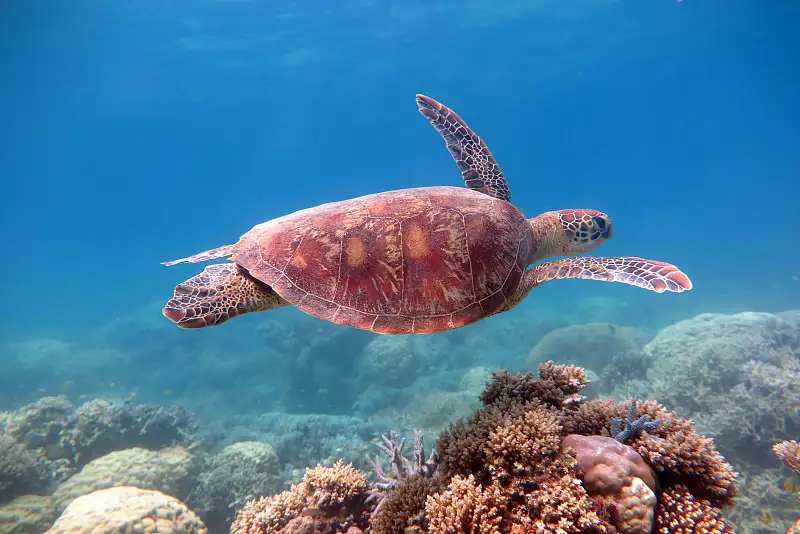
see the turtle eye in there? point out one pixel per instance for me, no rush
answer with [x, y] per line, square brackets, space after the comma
[600, 222]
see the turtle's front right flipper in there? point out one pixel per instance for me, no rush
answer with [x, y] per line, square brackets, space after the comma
[220, 292]
[647, 274]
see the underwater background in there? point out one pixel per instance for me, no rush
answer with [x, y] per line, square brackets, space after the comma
[138, 132]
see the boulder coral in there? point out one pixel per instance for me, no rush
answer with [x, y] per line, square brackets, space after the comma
[535, 458]
[168, 470]
[127, 509]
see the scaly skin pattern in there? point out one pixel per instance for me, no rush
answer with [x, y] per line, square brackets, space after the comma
[410, 261]
[647, 274]
[478, 167]
[221, 292]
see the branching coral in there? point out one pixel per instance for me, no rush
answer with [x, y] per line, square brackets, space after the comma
[680, 512]
[631, 427]
[557, 386]
[402, 469]
[465, 507]
[327, 495]
[789, 453]
[516, 447]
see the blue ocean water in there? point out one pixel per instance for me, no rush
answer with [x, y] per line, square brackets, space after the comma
[137, 132]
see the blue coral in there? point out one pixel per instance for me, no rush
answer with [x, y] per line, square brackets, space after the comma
[631, 428]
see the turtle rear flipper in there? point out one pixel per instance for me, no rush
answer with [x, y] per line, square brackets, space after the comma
[220, 292]
[225, 251]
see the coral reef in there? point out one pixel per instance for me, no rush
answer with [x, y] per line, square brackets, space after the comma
[169, 470]
[327, 495]
[27, 514]
[788, 451]
[591, 345]
[61, 438]
[743, 372]
[680, 512]
[127, 509]
[536, 457]
[19, 469]
[240, 472]
[301, 439]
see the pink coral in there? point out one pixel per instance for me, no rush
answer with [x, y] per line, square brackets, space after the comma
[327, 495]
[679, 512]
[616, 475]
[789, 453]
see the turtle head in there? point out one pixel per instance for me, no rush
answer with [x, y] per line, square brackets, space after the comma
[583, 230]
[568, 232]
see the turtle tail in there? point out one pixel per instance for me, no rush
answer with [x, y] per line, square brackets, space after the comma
[222, 291]
[213, 254]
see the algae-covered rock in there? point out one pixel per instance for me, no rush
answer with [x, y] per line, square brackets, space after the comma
[127, 509]
[27, 514]
[167, 470]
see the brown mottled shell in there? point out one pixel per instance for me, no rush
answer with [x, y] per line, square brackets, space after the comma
[410, 261]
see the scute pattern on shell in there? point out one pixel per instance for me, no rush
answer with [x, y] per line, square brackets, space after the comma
[418, 261]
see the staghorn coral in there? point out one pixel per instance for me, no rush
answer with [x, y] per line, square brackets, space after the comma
[330, 496]
[631, 427]
[127, 509]
[402, 469]
[465, 507]
[679, 512]
[788, 452]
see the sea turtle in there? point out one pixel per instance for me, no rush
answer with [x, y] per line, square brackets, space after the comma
[410, 261]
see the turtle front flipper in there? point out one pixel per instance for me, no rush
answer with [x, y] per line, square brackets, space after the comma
[648, 274]
[220, 292]
[478, 167]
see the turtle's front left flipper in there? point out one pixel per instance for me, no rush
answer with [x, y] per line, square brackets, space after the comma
[648, 274]
[478, 167]
[220, 292]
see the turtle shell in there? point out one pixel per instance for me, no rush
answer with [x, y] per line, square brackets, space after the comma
[410, 261]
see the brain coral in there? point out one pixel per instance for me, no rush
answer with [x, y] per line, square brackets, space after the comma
[27, 514]
[166, 470]
[127, 509]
